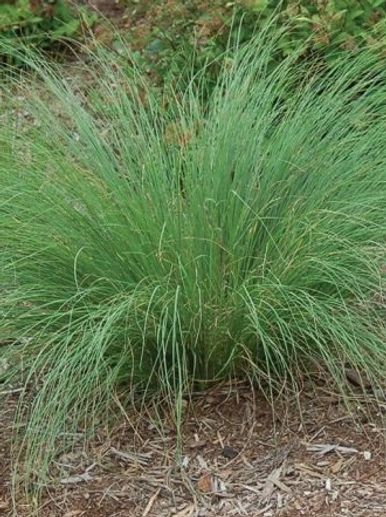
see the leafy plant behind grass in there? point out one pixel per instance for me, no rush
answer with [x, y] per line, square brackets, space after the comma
[42, 23]
[156, 247]
[166, 33]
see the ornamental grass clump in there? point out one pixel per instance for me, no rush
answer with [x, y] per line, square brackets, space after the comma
[151, 245]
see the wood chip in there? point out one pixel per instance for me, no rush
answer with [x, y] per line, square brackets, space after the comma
[282, 486]
[79, 478]
[321, 449]
[336, 467]
[203, 464]
[142, 458]
[197, 444]
[270, 483]
[306, 469]
[151, 502]
[185, 512]
[205, 483]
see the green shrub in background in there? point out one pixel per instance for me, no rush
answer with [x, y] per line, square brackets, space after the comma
[166, 33]
[326, 25]
[42, 22]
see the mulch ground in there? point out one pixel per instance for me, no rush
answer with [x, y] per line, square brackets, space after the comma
[239, 458]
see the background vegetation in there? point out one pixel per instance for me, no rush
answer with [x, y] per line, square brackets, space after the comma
[165, 34]
[168, 33]
[42, 22]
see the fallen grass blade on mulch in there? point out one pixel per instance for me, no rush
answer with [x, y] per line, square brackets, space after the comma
[151, 246]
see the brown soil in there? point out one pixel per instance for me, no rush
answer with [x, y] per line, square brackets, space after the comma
[238, 459]
[110, 8]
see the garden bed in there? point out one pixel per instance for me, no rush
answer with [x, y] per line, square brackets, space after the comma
[307, 456]
[238, 459]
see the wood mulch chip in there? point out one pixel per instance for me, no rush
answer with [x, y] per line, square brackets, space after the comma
[239, 458]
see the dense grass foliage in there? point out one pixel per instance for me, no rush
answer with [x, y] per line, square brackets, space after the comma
[153, 246]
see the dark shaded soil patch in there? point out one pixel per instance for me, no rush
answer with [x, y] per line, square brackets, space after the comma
[108, 8]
